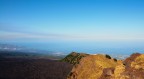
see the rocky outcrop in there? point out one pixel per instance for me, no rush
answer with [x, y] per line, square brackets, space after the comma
[104, 67]
[131, 68]
[134, 66]
[91, 67]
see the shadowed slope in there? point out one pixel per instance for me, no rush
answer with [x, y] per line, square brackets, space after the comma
[20, 68]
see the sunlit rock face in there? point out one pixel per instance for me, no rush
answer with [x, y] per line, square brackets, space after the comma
[104, 67]
[91, 67]
[134, 66]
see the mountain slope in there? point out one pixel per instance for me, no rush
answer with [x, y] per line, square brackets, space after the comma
[91, 67]
[24, 68]
[104, 67]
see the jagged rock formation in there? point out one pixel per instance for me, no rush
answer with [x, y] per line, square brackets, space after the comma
[131, 68]
[104, 67]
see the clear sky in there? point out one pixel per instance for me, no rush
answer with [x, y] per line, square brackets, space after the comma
[72, 20]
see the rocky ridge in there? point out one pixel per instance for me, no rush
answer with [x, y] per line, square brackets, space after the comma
[104, 67]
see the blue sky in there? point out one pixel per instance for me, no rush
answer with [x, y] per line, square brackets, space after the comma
[72, 20]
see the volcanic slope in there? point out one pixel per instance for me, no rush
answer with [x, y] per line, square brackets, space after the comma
[104, 67]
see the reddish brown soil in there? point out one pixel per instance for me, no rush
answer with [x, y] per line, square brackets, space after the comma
[20, 68]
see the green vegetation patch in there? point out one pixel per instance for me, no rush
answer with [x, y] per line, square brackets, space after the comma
[74, 58]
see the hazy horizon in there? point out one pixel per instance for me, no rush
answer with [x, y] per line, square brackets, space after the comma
[84, 47]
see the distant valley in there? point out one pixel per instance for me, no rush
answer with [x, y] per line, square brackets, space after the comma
[12, 51]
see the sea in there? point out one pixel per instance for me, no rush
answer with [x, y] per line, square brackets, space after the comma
[66, 47]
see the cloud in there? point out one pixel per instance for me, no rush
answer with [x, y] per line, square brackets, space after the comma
[58, 37]
[34, 36]
[20, 33]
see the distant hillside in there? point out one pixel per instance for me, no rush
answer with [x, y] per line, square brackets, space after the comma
[13, 51]
[17, 54]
